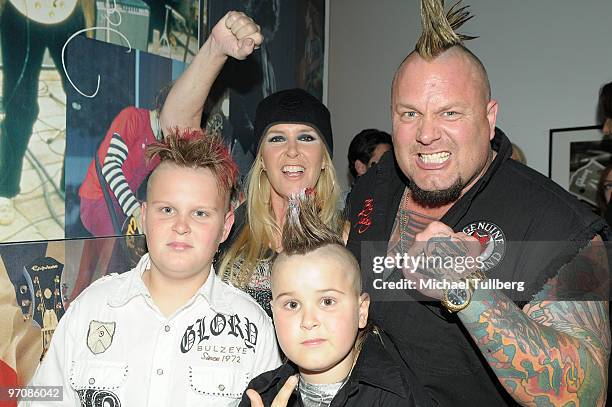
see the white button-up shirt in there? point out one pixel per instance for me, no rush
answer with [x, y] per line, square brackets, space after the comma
[114, 345]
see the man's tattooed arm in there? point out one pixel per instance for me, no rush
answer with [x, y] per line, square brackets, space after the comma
[553, 352]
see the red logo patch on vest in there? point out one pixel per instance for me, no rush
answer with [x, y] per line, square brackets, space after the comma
[492, 242]
[364, 217]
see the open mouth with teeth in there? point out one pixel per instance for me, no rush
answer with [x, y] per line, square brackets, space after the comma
[435, 158]
[292, 170]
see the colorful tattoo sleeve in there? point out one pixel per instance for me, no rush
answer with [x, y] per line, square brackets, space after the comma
[553, 352]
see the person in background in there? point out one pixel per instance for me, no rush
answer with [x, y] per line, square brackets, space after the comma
[604, 190]
[517, 154]
[604, 187]
[604, 115]
[365, 150]
[605, 108]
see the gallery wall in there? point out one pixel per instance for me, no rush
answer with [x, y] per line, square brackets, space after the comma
[546, 61]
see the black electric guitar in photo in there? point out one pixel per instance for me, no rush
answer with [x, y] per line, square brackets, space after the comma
[41, 296]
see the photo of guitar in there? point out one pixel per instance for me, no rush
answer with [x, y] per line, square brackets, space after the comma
[135, 242]
[45, 11]
[41, 296]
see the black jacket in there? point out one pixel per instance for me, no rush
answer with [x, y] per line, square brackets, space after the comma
[376, 380]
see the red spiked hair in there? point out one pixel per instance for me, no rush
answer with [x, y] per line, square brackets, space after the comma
[193, 148]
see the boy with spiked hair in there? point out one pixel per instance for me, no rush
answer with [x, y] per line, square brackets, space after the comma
[168, 331]
[335, 358]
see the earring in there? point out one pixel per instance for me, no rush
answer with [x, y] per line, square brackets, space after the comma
[266, 200]
[259, 178]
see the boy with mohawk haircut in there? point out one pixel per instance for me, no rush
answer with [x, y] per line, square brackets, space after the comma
[321, 319]
[168, 331]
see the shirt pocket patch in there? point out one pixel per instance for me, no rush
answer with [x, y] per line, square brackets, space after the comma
[98, 383]
[217, 382]
[98, 375]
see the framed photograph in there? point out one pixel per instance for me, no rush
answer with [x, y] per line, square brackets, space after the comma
[576, 158]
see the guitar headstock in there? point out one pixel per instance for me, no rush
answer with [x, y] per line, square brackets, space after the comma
[134, 240]
[41, 297]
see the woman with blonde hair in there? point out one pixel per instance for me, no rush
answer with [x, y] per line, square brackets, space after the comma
[294, 153]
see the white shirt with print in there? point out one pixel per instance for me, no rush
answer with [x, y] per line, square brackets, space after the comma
[114, 346]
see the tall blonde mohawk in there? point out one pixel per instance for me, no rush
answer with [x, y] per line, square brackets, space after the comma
[439, 30]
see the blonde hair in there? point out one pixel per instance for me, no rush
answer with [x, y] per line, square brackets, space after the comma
[439, 30]
[305, 232]
[261, 228]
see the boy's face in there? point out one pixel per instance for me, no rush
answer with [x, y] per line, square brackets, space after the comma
[317, 312]
[184, 219]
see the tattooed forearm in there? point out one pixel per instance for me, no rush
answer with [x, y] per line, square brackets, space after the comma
[584, 320]
[539, 358]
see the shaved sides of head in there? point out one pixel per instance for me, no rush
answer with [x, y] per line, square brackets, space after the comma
[335, 253]
[481, 77]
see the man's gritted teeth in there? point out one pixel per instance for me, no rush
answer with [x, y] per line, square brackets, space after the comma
[434, 158]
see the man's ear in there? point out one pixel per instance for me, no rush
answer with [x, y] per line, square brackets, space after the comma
[364, 309]
[227, 225]
[492, 117]
[360, 167]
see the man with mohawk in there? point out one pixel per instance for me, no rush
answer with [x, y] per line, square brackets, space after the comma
[527, 322]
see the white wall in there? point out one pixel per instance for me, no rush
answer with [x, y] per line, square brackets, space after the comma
[546, 61]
